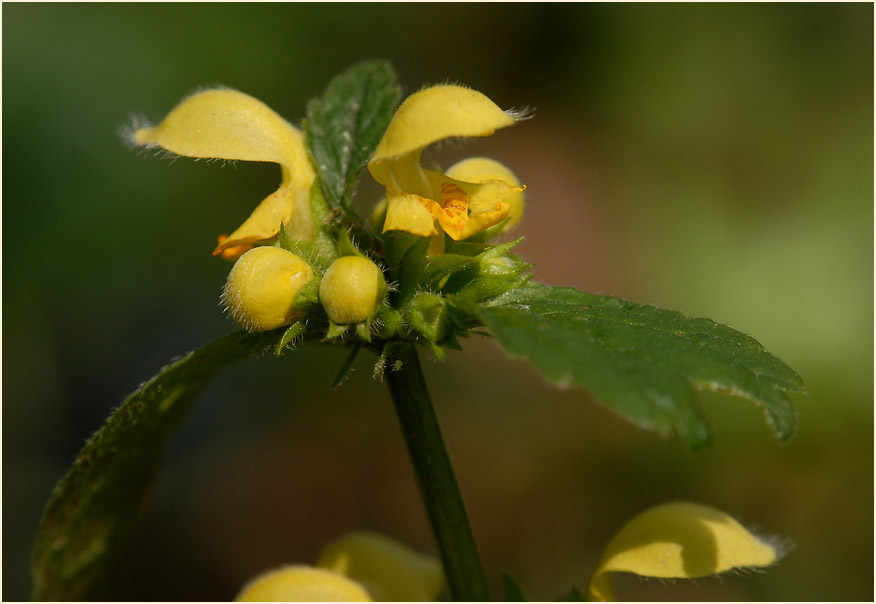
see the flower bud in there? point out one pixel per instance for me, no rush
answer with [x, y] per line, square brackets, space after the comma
[390, 571]
[351, 289]
[261, 288]
[303, 584]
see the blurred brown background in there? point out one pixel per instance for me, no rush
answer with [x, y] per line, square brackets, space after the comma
[717, 159]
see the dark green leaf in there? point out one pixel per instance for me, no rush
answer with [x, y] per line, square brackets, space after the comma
[86, 518]
[573, 595]
[513, 592]
[346, 123]
[644, 362]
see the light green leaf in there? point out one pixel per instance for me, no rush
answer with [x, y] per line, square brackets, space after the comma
[642, 361]
[344, 126]
[88, 514]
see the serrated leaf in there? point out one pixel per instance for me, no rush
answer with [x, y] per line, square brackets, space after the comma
[89, 512]
[645, 362]
[345, 124]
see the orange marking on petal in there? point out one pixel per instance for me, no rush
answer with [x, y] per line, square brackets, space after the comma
[232, 252]
[454, 208]
[452, 193]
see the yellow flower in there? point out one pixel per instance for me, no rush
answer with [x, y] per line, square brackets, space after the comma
[390, 571]
[227, 124]
[418, 198]
[302, 584]
[678, 541]
[359, 567]
[484, 169]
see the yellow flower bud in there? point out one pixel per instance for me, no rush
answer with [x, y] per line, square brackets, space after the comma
[262, 286]
[390, 571]
[302, 584]
[678, 541]
[351, 289]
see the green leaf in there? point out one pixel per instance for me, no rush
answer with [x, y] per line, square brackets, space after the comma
[295, 330]
[344, 126]
[573, 595]
[86, 519]
[513, 592]
[642, 361]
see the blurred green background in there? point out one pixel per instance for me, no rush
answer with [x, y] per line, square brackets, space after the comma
[716, 158]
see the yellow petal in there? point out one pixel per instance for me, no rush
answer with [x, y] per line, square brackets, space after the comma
[233, 252]
[483, 169]
[264, 222]
[467, 208]
[262, 286]
[432, 115]
[390, 571]
[227, 124]
[481, 222]
[302, 584]
[678, 540]
[408, 212]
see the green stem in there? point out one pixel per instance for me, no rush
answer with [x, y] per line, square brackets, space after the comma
[435, 476]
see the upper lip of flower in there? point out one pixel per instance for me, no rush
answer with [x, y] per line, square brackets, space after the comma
[417, 198]
[223, 123]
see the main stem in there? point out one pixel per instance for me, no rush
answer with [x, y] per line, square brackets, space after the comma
[435, 476]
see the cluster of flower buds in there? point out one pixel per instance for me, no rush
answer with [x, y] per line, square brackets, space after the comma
[273, 284]
[270, 287]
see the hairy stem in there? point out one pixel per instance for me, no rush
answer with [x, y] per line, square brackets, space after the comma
[435, 476]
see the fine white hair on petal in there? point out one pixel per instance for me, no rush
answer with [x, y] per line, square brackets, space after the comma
[127, 131]
[522, 114]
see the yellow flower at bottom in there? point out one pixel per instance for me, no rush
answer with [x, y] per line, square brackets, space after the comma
[678, 541]
[389, 570]
[359, 567]
[227, 124]
[421, 201]
[302, 584]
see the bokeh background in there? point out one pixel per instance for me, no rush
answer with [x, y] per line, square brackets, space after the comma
[716, 159]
